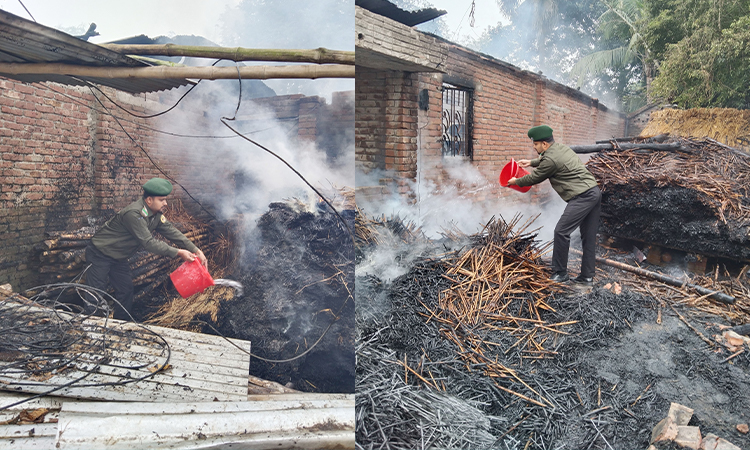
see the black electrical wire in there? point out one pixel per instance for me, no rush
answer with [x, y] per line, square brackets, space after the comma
[149, 116]
[52, 336]
[27, 10]
[224, 119]
[346, 226]
[155, 130]
[158, 167]
[336, 318]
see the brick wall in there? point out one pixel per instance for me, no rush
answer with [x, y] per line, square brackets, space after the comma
[331, 127]
[507, 102]
[369, 119]
[64, 163]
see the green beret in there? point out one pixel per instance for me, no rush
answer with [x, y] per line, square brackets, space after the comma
[540, 133]
[158, 187]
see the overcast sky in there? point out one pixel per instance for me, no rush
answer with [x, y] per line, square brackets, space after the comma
[120, 19]
[486, 14]
[278, 28]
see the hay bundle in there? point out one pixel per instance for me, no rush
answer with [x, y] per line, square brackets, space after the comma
[726, 125]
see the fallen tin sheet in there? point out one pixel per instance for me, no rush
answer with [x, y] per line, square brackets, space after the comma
[281, 424]
[14, 434]
[136, 363]
[298, 420]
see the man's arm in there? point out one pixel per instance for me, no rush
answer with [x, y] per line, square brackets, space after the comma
[545, 169]
[136, 225]
[170, 232]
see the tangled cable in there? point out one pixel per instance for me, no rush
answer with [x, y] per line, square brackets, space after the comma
[49, 343]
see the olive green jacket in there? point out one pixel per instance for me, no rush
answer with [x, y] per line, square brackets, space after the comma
[130, 229]
[565, 171]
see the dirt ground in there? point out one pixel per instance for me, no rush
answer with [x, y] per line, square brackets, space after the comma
[679, 367]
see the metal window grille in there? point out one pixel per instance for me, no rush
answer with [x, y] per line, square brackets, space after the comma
[457, 116]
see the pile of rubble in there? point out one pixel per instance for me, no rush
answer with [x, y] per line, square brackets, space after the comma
[675, 429]
[298, 303]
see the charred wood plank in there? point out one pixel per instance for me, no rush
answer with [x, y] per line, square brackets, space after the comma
[64, 243]
[70, 255]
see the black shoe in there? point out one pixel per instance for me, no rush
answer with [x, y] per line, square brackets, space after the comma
[559, 277]
[583, 281]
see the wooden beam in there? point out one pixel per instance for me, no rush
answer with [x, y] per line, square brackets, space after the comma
[317, 56]
[312, 71]
[625, 146]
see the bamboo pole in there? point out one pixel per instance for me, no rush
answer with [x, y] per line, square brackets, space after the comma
[599, 147]
[164, 72]
[317, 56]
[717, 295]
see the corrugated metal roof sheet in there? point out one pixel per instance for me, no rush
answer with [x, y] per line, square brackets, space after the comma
[279, 424]
[23, 41]
[393, 12]
[202, 367]
[282, 421]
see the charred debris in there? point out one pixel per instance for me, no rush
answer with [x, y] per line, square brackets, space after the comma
[472, 347]
[690, 196]
[297, 307]
[299, 297]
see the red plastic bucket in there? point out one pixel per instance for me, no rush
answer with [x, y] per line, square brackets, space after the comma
[511, 170]
[190, 278]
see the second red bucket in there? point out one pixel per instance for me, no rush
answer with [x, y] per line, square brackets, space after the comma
[190, 278]
[511, 170]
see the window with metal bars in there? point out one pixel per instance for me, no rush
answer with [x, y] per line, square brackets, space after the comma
[457, 115]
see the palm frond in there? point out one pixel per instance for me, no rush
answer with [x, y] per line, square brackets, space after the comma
[597, 62]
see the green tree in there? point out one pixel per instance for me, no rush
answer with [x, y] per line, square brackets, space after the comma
[708, 69]
[623, 54]
[702, 48]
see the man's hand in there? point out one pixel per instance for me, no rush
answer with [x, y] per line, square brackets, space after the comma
[524, 162]
[202, 258]
[512, 181]
[188, 256]
[185, 255]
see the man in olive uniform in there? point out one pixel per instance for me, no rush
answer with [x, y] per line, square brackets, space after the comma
[124, 234]
[577, 186]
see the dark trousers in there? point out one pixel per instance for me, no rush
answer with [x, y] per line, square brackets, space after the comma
[105, 269]
[582, 211]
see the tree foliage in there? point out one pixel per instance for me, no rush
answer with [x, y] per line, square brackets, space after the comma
[627, 52]
[709, 66]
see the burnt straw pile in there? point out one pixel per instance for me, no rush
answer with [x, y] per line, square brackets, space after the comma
[475, 348]
[298, 301]
[694, 197]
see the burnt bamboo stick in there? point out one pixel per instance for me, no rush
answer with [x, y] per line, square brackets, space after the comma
[70, 235]
[717, 295]
[69, 255]
[64, 243]
[56, 268]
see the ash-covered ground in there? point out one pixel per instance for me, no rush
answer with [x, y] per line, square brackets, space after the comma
[298, 281]
[608, 377]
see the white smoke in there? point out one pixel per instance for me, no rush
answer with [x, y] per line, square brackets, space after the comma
[452, 205]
